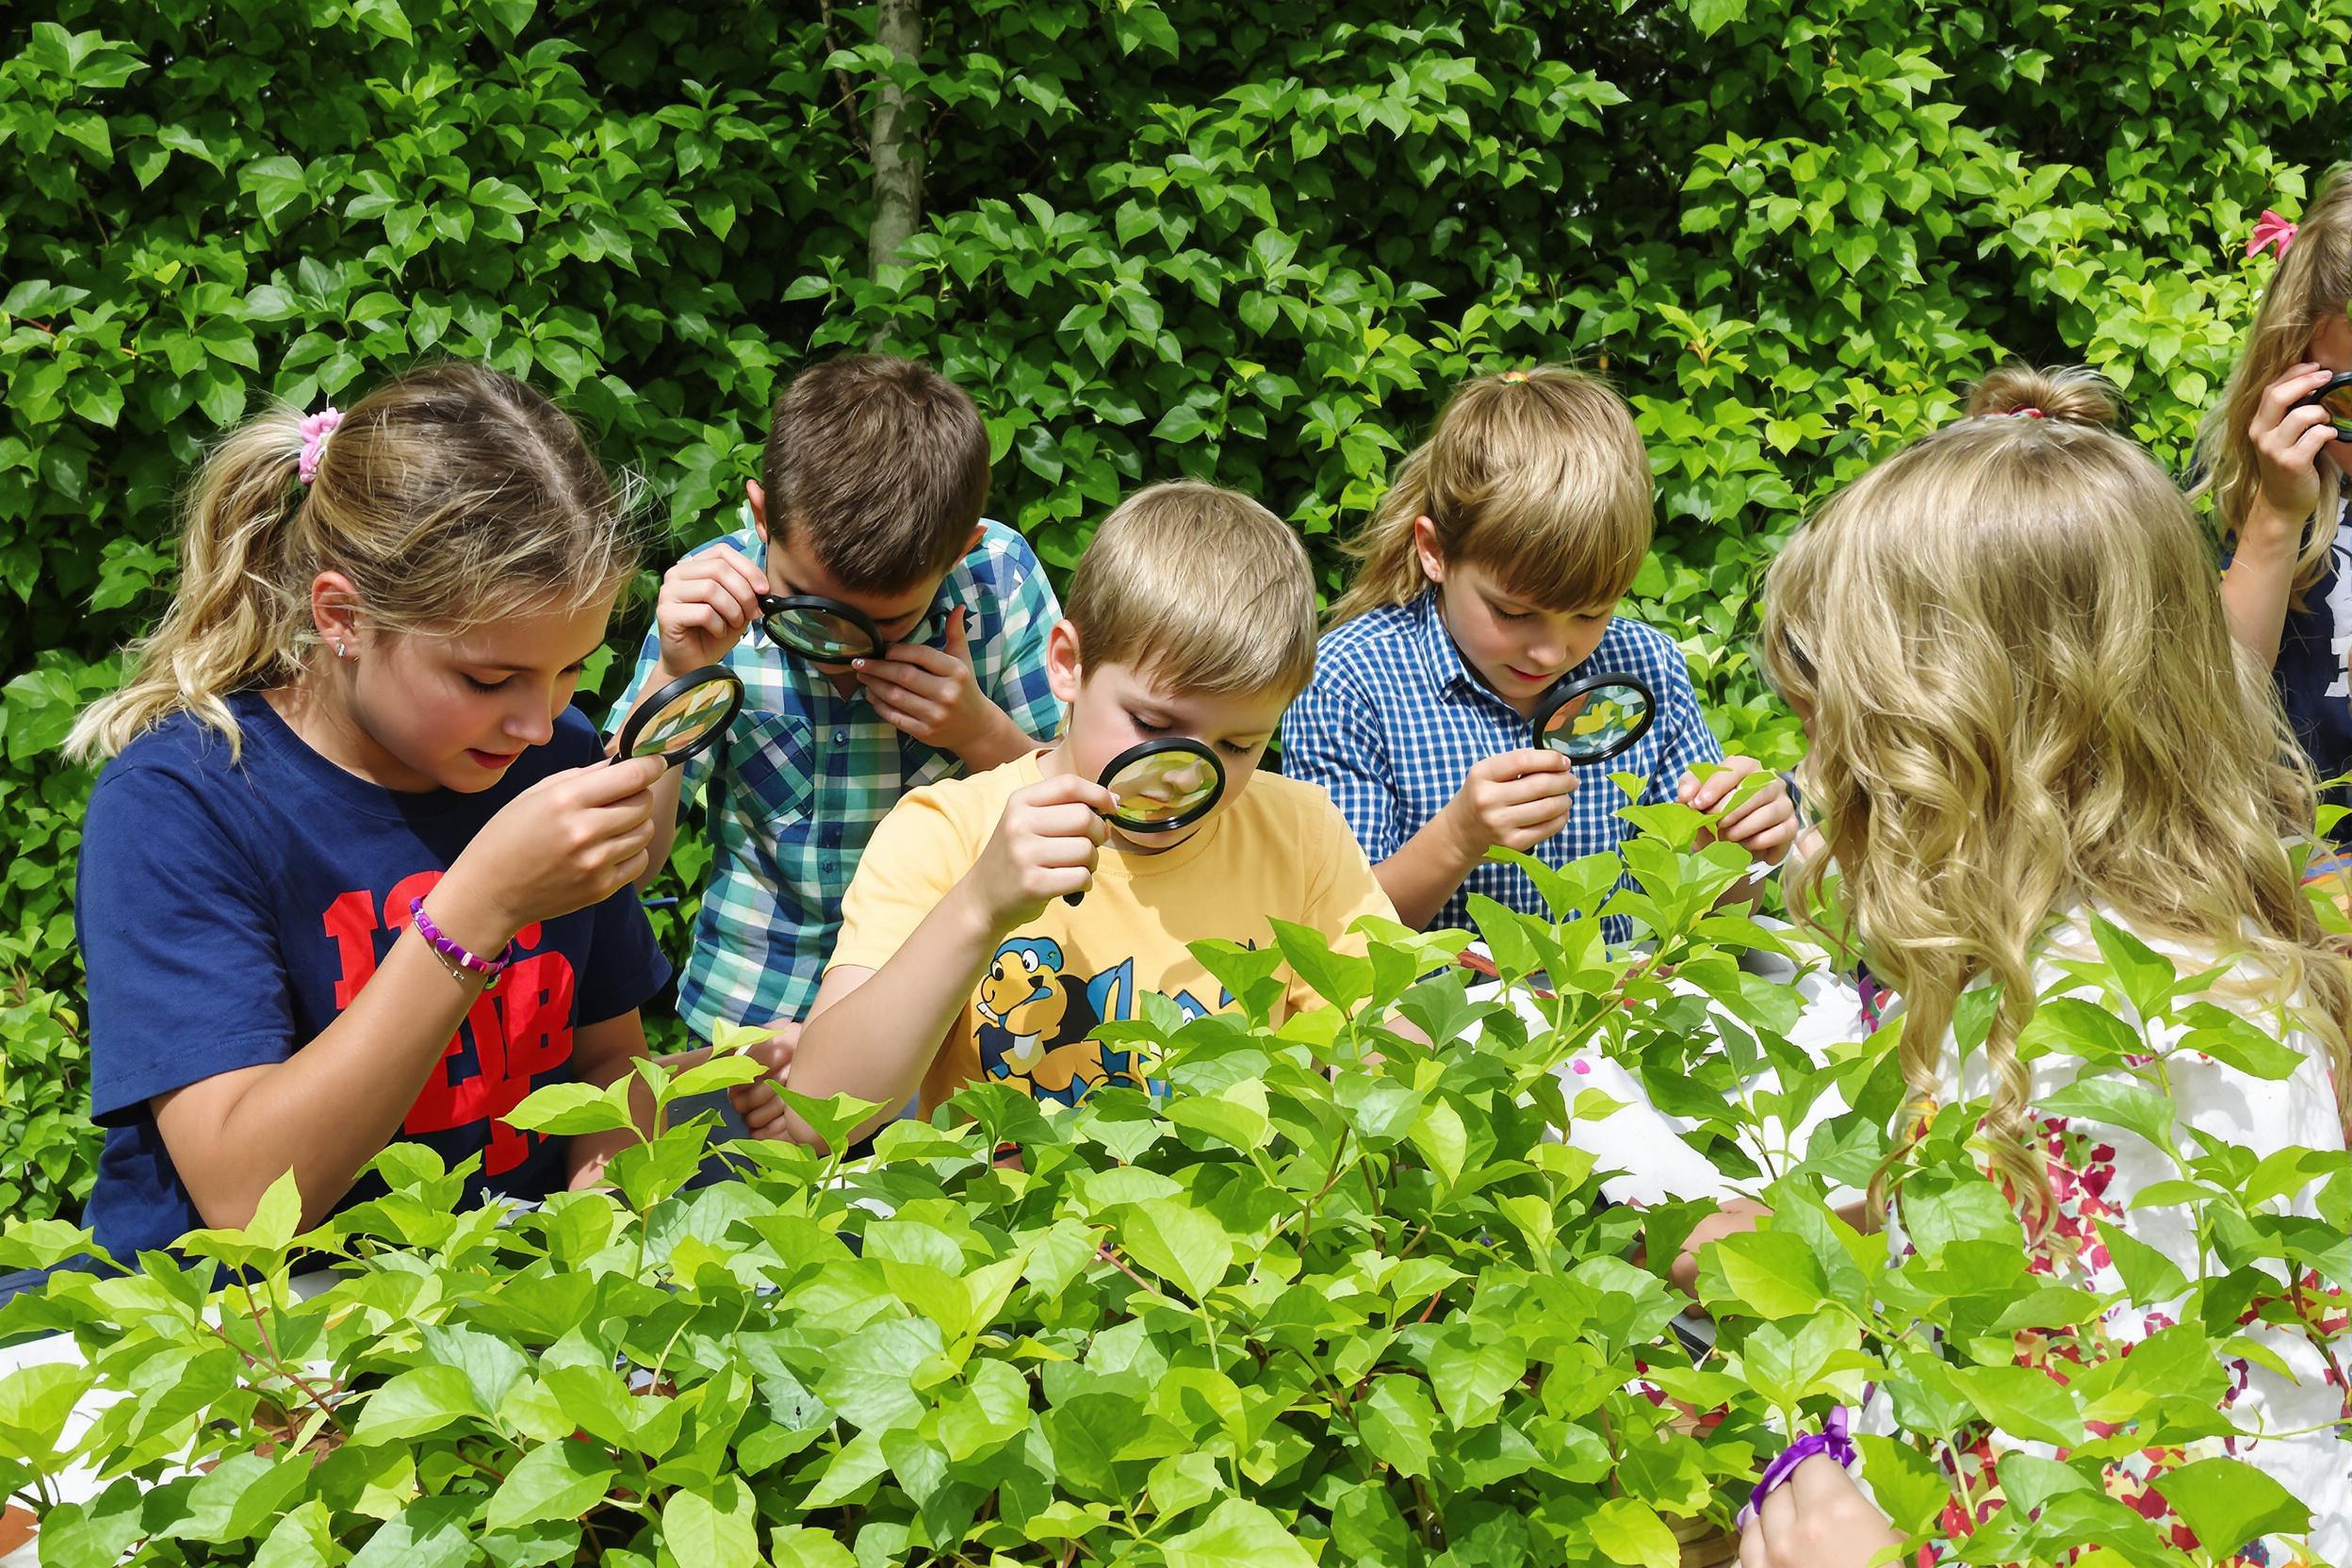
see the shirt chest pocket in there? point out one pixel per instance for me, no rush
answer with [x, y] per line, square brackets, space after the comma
[773, 766]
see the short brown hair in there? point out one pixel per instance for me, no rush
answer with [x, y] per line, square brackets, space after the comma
[1201, 587]
[883, 463]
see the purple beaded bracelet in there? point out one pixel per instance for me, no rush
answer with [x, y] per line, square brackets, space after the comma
[453, 953]
[1831, 1442]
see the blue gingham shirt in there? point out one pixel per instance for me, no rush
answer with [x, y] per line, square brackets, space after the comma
[1393, 720]
[805, 773]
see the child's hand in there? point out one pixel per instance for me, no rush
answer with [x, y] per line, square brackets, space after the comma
[762, 1109]
[1043, 848]
[1817, 1519]
[1764, 824]
[932, 694]
[1514, 801]
[569, 841]
[2287, 443]
[708, 602]
[1735, 1217]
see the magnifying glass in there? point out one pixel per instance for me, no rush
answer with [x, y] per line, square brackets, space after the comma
[2336, 397]
[1162, 785]
[823, 630]
[684, 717]
[1594, 719]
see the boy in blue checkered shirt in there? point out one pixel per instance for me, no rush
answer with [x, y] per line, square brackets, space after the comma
[1492, 569]
[870, 491]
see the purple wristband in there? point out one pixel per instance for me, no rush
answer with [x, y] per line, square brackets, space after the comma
[1831, 1442]
[454, 954]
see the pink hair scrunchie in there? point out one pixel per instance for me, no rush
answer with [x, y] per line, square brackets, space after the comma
[316, 428]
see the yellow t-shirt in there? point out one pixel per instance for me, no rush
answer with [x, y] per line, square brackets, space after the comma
[1277, 851]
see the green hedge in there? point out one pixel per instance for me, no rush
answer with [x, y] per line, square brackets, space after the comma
[1255, 243]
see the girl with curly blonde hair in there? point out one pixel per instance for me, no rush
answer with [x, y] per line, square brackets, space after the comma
[2024, 711]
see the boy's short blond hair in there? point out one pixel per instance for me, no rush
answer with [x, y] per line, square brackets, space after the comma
[1200, 588]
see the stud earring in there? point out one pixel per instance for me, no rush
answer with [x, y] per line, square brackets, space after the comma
[341, 652]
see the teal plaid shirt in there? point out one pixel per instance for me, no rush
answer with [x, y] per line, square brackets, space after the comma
[805, 775]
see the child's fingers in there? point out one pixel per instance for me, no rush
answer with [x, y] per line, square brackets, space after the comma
[916, 679]
[910, 714]
[726, 585]
[1065, 821]
[931, 662]
[1525, 762]
[1069, 788]
[1545, 787]
[1711, 791]
[2283, 394]
[1767, 804]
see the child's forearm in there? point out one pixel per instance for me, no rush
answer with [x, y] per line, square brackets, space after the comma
[327, 1109]
[601, 1054]
[2262, 571]
[1424, 873]
[876, 1040]
[666, 791]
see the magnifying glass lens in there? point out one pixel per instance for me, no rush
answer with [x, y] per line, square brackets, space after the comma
[684, 716]
[1596, 718]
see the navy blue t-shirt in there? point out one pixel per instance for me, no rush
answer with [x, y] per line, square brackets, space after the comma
[228, 912]
[2312, 682]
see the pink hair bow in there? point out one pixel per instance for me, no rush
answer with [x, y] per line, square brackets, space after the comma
[2269, 230]
[316, 428]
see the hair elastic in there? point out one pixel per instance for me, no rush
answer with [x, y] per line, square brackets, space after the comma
[2025, 414]
[316, 428]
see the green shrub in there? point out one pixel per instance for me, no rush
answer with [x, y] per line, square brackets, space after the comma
[1163, 236]
[1309, 1309]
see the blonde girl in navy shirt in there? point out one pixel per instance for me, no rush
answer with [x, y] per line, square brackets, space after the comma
[1492, 569]
[349, 737]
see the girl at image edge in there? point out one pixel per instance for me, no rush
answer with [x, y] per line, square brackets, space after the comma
[2013, 667]
[356, 873]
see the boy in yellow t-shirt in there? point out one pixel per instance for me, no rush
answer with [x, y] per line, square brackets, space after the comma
[961, 958]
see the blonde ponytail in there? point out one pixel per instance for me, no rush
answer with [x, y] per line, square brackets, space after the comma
[232, 624]
[1387, 569]
[449, 496]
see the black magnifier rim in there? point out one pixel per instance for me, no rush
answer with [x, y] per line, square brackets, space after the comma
[1186, 818]
[1561, 695]
[772, 605]
[2336, 382]
[643, 714]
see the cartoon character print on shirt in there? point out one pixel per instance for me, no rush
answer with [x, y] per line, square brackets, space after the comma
[512, 1036]
[1036, 1020]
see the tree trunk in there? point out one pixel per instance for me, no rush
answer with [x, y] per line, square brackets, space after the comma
[897, 138]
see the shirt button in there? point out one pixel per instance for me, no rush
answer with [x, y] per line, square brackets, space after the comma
[840, 737]
[828, 866]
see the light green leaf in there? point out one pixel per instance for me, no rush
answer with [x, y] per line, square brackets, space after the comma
[712, 1529]
[555, 1480]
[1238, 1535]
[2228, 1503]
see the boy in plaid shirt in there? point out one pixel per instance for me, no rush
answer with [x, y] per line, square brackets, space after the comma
[872, 486]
